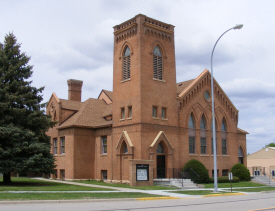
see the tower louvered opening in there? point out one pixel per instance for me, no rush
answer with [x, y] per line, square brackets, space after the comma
[157, 63]
[126, 64]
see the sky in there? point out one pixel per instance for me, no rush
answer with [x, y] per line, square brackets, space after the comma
[69, 39]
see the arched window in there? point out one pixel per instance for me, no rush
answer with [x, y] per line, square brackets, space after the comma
[224, 137]
[126, 63]
[191, 123]
[240, 155]
[203, 134]
[157, 63]
[192, 134]
[160, 148]
[124, 147]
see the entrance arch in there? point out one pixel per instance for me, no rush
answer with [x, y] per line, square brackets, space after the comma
[161, 152]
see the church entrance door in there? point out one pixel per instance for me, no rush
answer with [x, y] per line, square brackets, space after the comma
[160, 166]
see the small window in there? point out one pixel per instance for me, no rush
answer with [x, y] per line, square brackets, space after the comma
[124, 147]
[122, 113]
[224, 146]
[104, 144]
[192, 145]
[160, 149]
[225, 172]
[62, 174]
[155, 109]
[163, 113]
[55, 146]
[129, 111]
[104, 175]
[62, 145]
[203, 145]
[207, 95]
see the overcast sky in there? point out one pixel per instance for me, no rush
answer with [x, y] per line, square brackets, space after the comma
[74, 40]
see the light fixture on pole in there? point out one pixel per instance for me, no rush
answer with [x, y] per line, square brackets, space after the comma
[239, 26]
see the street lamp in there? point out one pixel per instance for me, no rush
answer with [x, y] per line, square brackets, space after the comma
[239, 26]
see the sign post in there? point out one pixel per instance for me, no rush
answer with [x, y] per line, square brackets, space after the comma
[230, 177]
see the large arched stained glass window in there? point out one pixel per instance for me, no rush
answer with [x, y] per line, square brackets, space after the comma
[126, 63]
[192, 134]
[157, 63]
[203, 134]
[224, 137]
[240, 155]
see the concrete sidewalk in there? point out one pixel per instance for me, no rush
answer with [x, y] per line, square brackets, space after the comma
[165, 193]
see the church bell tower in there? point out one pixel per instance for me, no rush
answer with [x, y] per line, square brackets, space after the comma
[144, 74]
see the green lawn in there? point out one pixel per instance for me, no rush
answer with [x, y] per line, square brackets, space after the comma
[154, 187]
[27, 184]
[234, 185]
[67, 196]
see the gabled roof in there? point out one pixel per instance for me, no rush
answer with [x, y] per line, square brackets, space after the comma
[71, 104]
[89, 115]
[191, 85]
[55, 97]
[242, 131]
[182, 85]
[109, 94]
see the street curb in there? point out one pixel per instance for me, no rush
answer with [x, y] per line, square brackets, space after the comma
[155, 198]
[65, 201]
[224, 194]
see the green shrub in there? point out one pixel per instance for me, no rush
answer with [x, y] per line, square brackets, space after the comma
[224, 179]
[239, 170]
[197, 171]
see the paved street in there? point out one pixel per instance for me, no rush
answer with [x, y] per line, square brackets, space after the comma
[238, 202]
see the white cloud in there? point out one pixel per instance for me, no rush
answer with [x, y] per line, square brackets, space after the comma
[74, 39]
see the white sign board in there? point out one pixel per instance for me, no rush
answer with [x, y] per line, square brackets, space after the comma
[230, 176]
[142, 175]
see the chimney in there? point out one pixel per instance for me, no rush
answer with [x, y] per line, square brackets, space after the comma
[74, 89]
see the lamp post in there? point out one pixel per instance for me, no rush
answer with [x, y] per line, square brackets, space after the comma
[239, 26]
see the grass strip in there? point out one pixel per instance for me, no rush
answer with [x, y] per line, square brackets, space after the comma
[70, 196]
[154, 187]
[235, 185]
[27, 184]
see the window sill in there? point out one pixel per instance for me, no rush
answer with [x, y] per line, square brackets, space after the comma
[104, 155]
[129, 118]
[225, 155]
[192, 154]
[155, 79]
[61, 155]
[204, 155]
[122, 120]
[128, 79]
[164, 119]
[155, 117]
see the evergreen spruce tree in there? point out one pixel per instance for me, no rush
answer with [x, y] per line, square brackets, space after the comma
[24, 146]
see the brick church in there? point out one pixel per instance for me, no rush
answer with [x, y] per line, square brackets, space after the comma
[148, 118]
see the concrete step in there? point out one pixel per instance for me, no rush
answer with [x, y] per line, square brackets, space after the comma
[264, 180]
[187, 183]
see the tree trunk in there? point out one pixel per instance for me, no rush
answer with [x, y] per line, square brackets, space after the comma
[6, 178]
